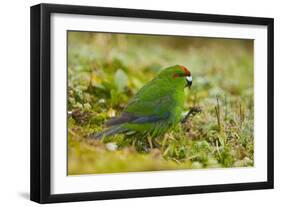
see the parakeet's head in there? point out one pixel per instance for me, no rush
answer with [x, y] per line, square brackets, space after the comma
[177, 73]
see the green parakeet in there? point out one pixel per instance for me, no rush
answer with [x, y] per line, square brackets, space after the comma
[156, 107]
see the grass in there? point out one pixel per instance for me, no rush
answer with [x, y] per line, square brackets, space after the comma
[106, 70]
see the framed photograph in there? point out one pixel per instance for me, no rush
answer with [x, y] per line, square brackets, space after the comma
[133, 103]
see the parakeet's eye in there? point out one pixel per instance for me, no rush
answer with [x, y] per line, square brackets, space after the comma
[186, 71]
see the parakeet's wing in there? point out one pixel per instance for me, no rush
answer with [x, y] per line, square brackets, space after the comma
[152, 103]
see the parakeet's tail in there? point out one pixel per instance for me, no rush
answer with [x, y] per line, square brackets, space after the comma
[108, 132]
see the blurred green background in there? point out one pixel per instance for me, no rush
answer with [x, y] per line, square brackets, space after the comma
[105, 70]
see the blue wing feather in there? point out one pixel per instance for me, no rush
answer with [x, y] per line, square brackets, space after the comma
[149, 119]
[131, 118]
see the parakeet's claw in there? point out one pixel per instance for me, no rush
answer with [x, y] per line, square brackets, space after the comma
[193, 111]
[196, 109]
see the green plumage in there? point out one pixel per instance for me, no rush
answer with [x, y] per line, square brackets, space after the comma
[156, 107]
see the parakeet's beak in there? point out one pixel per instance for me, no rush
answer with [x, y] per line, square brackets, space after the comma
[188, 81]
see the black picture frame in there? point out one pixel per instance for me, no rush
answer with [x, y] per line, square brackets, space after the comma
[41, 96]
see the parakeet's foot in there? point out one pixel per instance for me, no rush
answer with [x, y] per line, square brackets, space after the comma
[192, 112]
